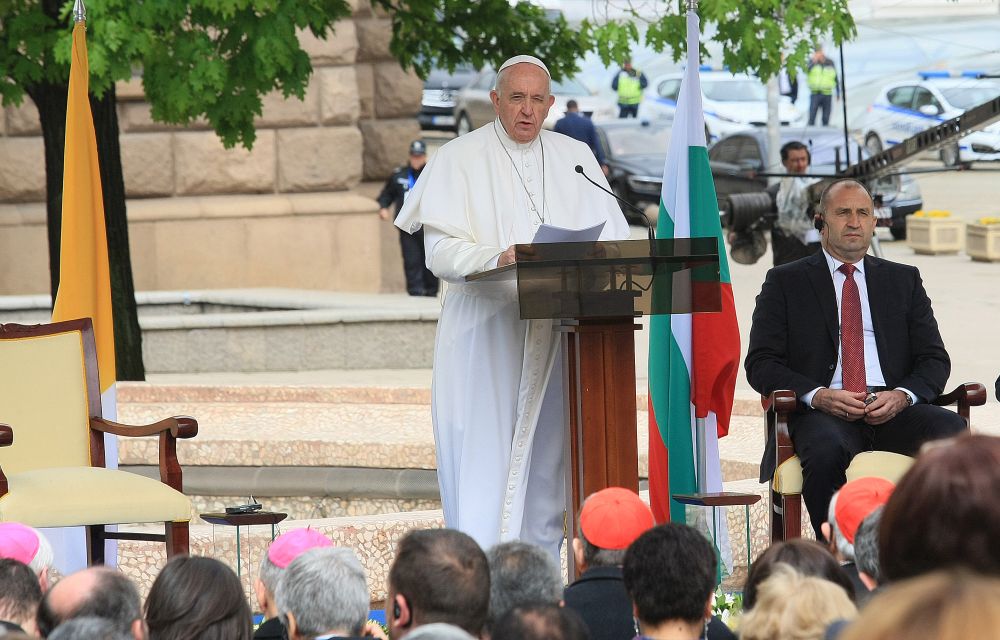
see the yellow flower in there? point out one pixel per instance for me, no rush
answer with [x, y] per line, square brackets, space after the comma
[989, 220]
[933, 213]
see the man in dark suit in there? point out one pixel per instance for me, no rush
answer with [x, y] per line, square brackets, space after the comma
[579, 127]
[855, 338]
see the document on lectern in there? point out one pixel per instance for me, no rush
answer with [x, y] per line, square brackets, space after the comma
[551, 233]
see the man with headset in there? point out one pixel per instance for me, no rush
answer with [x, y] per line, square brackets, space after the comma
[439, 576]
[793, 235]
[855, 338]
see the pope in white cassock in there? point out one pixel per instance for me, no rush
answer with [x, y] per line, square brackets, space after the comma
[497, 399]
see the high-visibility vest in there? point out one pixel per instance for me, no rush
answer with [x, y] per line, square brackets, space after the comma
[822, 78]
[629, 88]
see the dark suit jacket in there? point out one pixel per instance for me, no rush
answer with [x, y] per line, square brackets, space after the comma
[795, 335]
[600, 598]
[578, 126]
[270, 629]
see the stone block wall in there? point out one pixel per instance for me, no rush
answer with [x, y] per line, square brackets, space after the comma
[200, 213]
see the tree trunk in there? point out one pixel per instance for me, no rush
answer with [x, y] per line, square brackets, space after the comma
[51, 103]
[128, 337]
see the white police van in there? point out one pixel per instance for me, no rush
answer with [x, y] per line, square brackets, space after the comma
[732, 102]
[904, 109]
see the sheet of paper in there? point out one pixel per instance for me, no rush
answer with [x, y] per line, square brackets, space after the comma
[551, 233]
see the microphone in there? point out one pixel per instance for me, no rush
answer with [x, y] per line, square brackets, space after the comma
[649, 226]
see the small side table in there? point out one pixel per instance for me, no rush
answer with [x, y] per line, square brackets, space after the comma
[244, 520]
[722, 499]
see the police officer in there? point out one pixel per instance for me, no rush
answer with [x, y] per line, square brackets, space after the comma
[821, 76]
[419, 280]
[629, 84]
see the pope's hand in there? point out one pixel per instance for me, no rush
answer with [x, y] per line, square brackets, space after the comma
[507, 257]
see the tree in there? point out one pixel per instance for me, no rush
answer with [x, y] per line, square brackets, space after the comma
[211, 59]
[755, 34]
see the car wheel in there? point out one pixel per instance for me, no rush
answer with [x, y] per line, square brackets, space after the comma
[873, 144]
[464, 125]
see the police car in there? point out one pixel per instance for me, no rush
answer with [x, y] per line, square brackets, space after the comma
[904, 109]
[732, 102]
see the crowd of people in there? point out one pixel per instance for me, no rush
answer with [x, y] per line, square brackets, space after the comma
[915, 560]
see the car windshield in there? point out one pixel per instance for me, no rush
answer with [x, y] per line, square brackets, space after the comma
[973, 96]
[569, 87]
[734, 90]
[823, 149]
[648, 139]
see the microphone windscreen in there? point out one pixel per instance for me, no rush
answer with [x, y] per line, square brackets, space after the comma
[579, 169]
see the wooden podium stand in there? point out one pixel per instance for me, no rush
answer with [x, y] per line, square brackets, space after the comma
[595, 291]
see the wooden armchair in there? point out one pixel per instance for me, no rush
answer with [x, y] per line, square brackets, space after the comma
[52, 468]
[786, 483]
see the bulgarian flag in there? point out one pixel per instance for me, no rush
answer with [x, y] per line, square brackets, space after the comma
[693, 358]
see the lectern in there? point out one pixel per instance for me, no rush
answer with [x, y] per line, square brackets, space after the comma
[595, 291]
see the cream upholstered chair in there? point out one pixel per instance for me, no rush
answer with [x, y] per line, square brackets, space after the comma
[52, 471]
[786, 484]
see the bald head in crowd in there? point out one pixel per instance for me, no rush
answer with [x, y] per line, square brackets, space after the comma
[99, 592]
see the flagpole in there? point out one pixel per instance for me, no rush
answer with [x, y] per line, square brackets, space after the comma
[701, 449]
[79, 12]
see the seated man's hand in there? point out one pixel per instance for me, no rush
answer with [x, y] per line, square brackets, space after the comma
[885, 406]
[846, 405]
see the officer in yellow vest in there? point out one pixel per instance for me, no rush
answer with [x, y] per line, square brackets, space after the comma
[821, 76]
[629, 84]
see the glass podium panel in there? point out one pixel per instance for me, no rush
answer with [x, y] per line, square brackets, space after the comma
[579, 280]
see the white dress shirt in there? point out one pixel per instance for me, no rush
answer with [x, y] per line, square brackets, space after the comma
[873, 368]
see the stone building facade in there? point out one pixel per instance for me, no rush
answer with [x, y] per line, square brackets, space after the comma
[296, 211]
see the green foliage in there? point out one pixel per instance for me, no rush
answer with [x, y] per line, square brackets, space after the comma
[754, 34]
[211, 59]
[446, 33]
[216, 59]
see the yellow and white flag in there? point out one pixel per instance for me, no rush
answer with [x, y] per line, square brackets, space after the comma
[84, 275]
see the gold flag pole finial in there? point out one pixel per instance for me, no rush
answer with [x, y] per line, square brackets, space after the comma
[79, 11]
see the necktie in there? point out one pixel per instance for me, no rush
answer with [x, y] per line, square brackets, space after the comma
[852, 339]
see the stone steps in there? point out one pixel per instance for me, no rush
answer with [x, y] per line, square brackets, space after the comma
[313, 435]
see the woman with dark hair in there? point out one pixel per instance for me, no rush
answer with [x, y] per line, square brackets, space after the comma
[945, 512]
[808, 557]
[197, 598]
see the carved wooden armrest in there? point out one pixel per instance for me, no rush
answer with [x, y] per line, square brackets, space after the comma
[968, 394]
[169, 430]
[177, 426]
